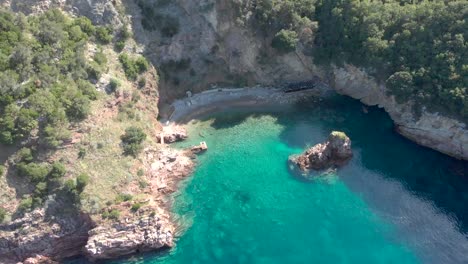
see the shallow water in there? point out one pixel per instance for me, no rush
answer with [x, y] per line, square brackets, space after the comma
[395, 202]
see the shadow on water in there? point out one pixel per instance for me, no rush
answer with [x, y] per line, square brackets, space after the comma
[424, 172]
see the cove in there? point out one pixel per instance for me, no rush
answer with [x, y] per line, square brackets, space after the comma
[395, 202]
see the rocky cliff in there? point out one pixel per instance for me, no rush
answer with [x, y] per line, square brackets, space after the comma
[433, 130]
[218, 48]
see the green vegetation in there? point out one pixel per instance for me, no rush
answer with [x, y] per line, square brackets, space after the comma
[136, 207]
[2, 170]
[44, 77]
[114, 84]
[123, 197]
[114, 214]
[419, 48]
[132, 141]
[285, 40]
[133, 67]
[81, 181]
[2, 215]
[104, 35]
[338, 134]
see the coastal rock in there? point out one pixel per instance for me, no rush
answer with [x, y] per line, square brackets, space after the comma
[171, 134]
[119, 239]
[37, 234]
[39, 259]
[336, 151]
[202, 147]
[433, 130]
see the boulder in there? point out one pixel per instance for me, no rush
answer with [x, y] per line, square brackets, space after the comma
[335, 152]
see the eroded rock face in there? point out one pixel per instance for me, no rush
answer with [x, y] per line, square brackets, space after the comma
[119, 239]
[335, 152]
[433, 130]
[37, 233]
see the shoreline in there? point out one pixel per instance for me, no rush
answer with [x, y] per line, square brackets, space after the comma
[184, 110]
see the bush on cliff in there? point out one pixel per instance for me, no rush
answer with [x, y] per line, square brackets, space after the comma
[285, 41]
[132, 141]
[133, 67]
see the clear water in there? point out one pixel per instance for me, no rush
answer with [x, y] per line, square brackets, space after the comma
[395, 202]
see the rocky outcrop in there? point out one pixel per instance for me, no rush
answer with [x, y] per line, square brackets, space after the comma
[335, 152]
[171, 134]
[119, 239]
[38, 259]
[433, 130]
[99, 11]
[37, 233]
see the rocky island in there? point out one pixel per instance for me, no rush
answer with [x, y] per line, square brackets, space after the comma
[335, 152]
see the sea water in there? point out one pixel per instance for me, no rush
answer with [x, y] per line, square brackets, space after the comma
[395, 202]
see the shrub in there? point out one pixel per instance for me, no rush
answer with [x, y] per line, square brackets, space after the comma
[140, 172]
[133, 67]
[285, 41]
[2, 170]
[25, 204]
[120, 45]
[142, 82]
[24, 155]
[70, 186]
[81, 181]
[114, 84]
[124, 197]
[58, 171]
[103, 35]
[136, 207]
[40, 189]
[114, 214]
[132, 141]
[35, 172]
[79, 109]
[81, 153]
[100, 58]
[2, 215]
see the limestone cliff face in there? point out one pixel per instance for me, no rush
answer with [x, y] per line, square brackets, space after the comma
[432, 130]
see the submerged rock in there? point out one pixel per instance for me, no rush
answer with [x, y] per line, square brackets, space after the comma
[202, 147]
[335, 152]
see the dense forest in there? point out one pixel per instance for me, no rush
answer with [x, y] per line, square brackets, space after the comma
[418, 48]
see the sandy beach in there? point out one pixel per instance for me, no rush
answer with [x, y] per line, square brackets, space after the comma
[188, 108]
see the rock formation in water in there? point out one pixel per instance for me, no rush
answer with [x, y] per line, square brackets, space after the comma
[335, 152]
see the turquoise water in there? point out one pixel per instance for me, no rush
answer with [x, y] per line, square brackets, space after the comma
[395, 202]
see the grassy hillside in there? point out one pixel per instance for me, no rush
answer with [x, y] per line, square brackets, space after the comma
[69, 90]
